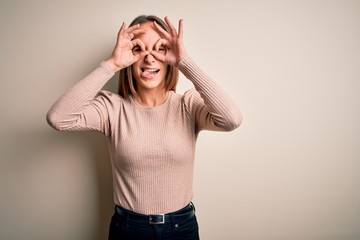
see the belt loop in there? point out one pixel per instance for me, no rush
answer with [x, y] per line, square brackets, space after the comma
[126, 216]
[118, 210]
[193, 206]
[122, 213]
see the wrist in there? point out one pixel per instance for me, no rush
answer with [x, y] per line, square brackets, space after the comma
[182, 59]
[112, 64]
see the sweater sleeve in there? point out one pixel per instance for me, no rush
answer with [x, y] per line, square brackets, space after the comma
[84, 106]
[208, 104]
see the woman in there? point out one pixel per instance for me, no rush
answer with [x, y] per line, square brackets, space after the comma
[150, 130]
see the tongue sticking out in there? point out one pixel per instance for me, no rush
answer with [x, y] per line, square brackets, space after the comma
[149, 74]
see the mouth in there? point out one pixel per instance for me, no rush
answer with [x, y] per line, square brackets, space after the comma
[152, 70]
[149, 73]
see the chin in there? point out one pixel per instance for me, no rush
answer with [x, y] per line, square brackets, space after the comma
[151, 84]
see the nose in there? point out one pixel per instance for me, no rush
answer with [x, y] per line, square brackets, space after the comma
[149, 58]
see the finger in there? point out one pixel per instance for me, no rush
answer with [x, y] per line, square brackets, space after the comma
[140, 56]
[143, 53]
[130, 36]
[158, 56]
[138, 42]
[181, 28]
[171, 26]
[132, 28]
[122, 29]
[159, 43]
[162, 31]
[138, 32]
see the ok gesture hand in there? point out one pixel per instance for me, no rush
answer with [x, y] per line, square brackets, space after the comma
[173, 42]
[123, 54]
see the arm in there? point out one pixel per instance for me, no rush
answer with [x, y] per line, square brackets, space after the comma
[75, 110]
[213, 109]
[79, 108]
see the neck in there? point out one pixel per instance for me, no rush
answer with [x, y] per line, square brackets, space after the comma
[151, 98]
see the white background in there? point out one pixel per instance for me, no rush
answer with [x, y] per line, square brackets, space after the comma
[292, 169]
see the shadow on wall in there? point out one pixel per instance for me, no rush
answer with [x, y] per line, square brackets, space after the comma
[100, 152]
[60, 194]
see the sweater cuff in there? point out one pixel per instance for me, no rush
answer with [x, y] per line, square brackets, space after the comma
[107, 67]
[185, 63]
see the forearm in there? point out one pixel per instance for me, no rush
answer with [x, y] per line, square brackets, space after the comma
[74, 99]
[221, 106]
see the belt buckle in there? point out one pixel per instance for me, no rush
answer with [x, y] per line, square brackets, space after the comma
[154, 219]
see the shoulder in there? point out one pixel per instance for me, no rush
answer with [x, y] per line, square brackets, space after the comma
[192, 97]
[110, 98]
[185, 97]
[189, 101]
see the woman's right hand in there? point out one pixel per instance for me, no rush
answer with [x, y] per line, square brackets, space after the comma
[123, 54]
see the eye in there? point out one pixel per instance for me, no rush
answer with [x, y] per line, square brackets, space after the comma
[161, 50]
[136, 49]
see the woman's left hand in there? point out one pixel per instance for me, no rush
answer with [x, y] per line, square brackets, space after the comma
[173, 42]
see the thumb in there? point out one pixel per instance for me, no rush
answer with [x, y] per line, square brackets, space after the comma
[140, 55]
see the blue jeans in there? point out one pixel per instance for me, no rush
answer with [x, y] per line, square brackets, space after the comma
[179, 225]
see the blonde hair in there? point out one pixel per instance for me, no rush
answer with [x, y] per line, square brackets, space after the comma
[127, 84]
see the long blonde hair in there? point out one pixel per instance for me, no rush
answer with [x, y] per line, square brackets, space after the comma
[127, 84]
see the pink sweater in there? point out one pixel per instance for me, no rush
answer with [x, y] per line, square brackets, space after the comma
[152, 150]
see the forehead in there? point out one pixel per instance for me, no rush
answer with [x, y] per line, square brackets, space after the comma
[151, 36]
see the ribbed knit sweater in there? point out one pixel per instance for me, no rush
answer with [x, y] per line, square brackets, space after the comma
[152, 150]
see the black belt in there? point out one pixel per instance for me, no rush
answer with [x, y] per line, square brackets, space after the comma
[182, 214]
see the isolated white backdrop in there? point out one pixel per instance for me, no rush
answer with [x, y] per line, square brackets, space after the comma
[291, 171]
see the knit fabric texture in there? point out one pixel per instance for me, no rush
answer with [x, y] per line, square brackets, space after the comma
[152, 149]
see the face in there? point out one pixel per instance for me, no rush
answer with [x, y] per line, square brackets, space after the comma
[149, 72]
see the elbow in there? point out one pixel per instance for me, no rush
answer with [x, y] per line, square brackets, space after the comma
[234, 121]
[237, 120]
[52, 120]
